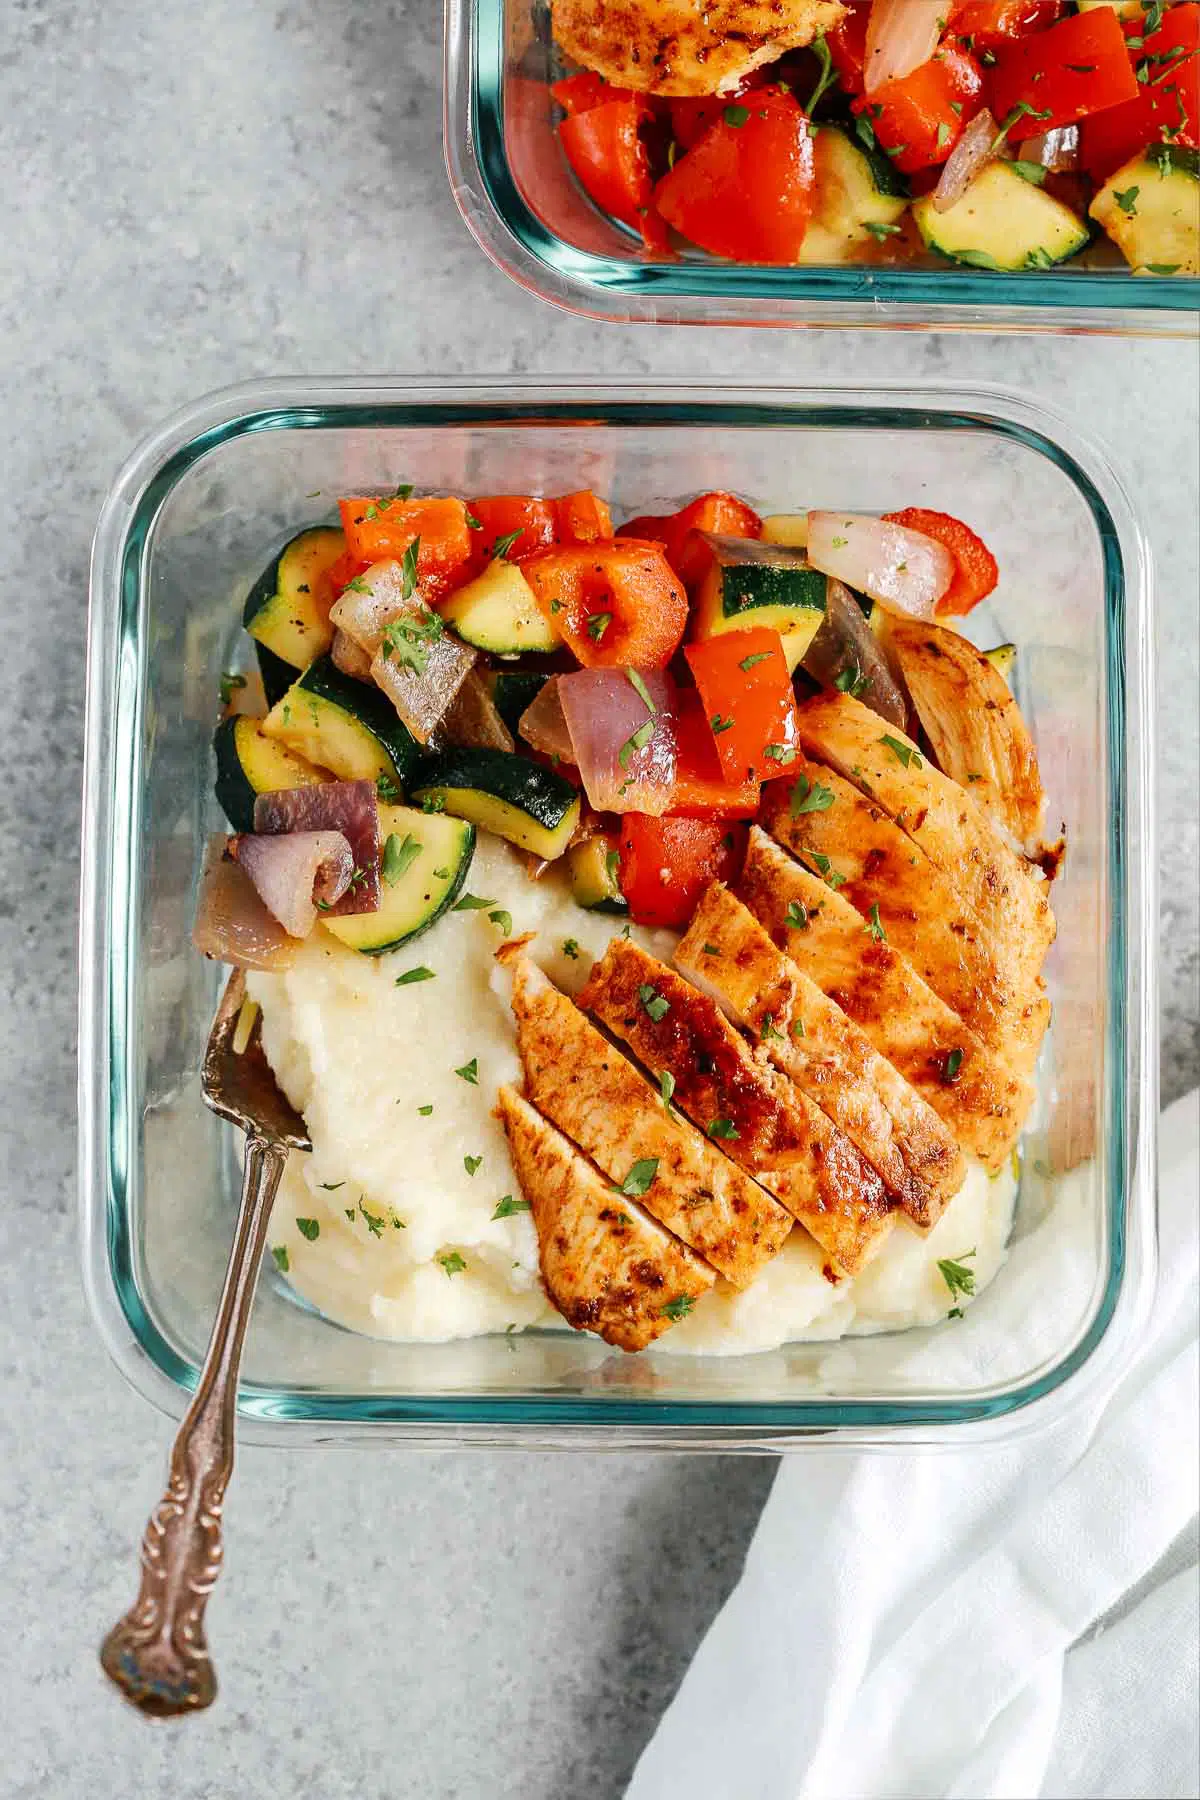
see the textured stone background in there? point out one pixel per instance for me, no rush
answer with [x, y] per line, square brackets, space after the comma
[196, 195]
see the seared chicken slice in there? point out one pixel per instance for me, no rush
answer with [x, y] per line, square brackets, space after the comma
[782, 1139]
[686, 46]
[877, 866]
[607, 1265]
[974, 724]
[727, 952]
[942, 819]
[852, 962]
[583, 1083]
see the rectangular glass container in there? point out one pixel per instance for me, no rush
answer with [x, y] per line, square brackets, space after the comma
[516, 192]
[188, 525]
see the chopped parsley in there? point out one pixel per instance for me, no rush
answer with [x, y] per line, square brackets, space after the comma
[903, 753]
[723, 1128]
[677, 1309]
[503, 545]
[398, 854]
[375, 1222]
[780, 753]
[635, 742]
[797, 1028]
[358, 586]
[748, 662]
[502, 919]
[571, 948]
[330, 1187]
[653, 1003]
[229, 684]
[471, 903]
[768, 1029]
[1032, 172]
[666, 1087]
[852, 681]
[451, 1261]
[279, 1252]
[309, 1228]
[951, 1064]
[387, 788]
[425, 1111]
[1020, 111]
[641, 690]
[874, 925]
[420, 973]
[408, 569]
[711, 950]
[824, 868]
[809, 797]
[470, 1071]
[717, 724]
[879, 229]
[944, 135]
[474, 524]
[411, 639]
[958, 1278]
[839, 543]
[736, 115]
[597, 625]
[471, 1163]
[506, 1207]
[827, 73]
[639, 1179]
[796, 918]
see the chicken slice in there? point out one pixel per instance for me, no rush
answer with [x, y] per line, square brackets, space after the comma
[973, 723]
[877, 866]
[727, 952]
[607, 1265]
[942, 819]
[686, 46]
[782, 1139]
[851, 961]
[588, 1089]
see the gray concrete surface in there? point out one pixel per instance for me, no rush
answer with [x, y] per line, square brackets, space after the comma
[196, 194]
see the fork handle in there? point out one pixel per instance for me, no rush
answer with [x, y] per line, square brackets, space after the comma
[157, 1654]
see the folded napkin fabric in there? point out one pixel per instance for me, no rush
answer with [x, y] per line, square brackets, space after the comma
[917, 1625]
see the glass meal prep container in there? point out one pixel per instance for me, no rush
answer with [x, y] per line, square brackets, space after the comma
[525, 208]
[186, 528]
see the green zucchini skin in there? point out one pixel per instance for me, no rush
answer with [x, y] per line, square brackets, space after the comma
[282, 612]
[511, 795]
[277, 675]
[248, 764]
[325, 713]
[514, 691]
[427, 888]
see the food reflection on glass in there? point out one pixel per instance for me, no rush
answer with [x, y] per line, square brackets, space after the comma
[649, 923]
[996, 134]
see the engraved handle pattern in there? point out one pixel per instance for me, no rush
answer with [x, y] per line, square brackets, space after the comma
[158, 1654]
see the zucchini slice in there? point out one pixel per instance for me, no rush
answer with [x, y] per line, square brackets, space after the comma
[1002, 659]
[498, 611]
[788, 529]
[428, 882]
[1151, 209]
[515, 797]
[859, 198]
[277, 675]
[250, 763]
[751, 583]
[593, 870]
[287, 610]
[1002, 222]
[514, 691]
[344, 725]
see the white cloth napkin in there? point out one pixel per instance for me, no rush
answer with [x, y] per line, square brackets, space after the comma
[909, 1627]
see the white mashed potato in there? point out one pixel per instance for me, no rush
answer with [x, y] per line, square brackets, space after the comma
[389, 1227]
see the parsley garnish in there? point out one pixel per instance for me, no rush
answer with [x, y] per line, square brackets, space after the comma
[1162, 268]
[827, 75]
[508, 1206]
[471, 1163]
[852, 682]
[677, 1309]
[976, 259]
[1020, 111]
[653, 1002]
[411, 975]
[638, 741]
[903, 753]
[1039, 259]
[357, 586]
[736, 115]
[780, 753]
[597, 625]
[748, 662]
[639, 1178]
[279, 1252]
[879, 229]
[387, 788]
[717, 724]
[958, 1278]
[1033, 172]
[502, 919]
[796, 918]
[411, 638]
[398, 855]
[874, 924]
[375, 1221]
[711, 950]
[808, 797]
[723, 1128]
[309, 1228]
[571, 948]
[666, 1087]
[503, 545]
[451, 1261]
[951, 1064]
[797, 1028]
[424, 1111]
[824, 867]
[408, 569]
[474, 524]
[229, 684]
[330, 1187]
[471, 903]
[641, 690]
[944, 135]
[470, 1071]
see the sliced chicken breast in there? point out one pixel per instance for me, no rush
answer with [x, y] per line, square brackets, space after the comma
[851, 961]
[727, 952]
[606, 1264]
[686, 46]
[973, 723]
[923, 916]
[588, 1089]
[942, 819]
[782, 1139]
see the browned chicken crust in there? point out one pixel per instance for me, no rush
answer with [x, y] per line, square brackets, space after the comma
[607, 1266]
[973, 723]
[727, 952]
[588, 1089]
[782, 1139]
[851, 961]
[919, 909]
[942, 819]
[686, 46]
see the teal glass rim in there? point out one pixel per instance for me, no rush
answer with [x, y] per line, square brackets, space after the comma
[109, 1129]
[703, 290]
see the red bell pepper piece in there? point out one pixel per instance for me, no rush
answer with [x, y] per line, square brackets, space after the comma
[919, 119]
[847, 44]
[376, 529]
[691, 117]
[667, 863]
[749, 702]
[701, 788]
[1078, 67]
[989, 23]
[496, 518]
[687, 554]
[975, 570]
[615, 604]
[346, 569]
[582, 518]
[604, 147]
[585, 91]
[746, 189]
[1168, 102]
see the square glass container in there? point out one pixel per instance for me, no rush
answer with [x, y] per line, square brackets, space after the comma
[187, 526]
[521, 201]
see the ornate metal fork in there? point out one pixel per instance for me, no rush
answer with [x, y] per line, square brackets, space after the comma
[158, 1654]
